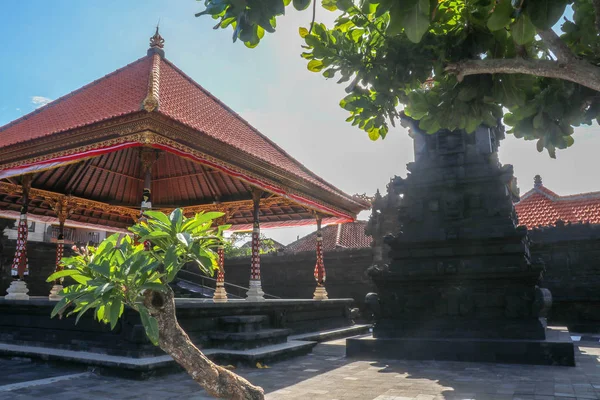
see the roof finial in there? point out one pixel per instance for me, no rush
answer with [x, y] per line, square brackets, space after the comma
[157, 43]
[537, 181]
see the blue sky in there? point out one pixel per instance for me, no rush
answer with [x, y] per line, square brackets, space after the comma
[52, 48]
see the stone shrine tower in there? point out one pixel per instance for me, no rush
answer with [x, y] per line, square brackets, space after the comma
[460, 283]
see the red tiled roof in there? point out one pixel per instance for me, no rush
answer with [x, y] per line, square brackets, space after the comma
[348, 235]
[189, 103]
[116, 94]
[180, 98]
[542, 207]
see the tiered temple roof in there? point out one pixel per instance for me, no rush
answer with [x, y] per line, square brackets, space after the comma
[86, 147]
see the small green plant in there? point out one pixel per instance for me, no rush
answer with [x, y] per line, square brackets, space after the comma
[120, 272]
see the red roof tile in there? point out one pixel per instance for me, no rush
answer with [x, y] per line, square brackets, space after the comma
[189, 103]
[116, 94]
[348, 235]
[542, 207]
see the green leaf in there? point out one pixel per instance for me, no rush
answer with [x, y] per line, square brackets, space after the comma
[523, 31]
[176, 219]
[467, 93]
[330, 5]
[538, 121]
[171, 260]
[61, 305]
[62, 274]
[396, 24]
[303, 32]
[100, 290]
[102, 269]
[344, 5]
[416, 21]
[85, 308]
[501, 16]
[150, 325]
[540, 145]
[569, 140]
[315, 65]
[108, 244]
[544, 14]
[115, 312]
[301, 4]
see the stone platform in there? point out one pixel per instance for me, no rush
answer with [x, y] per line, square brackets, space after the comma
[556, 349]
[28, 323]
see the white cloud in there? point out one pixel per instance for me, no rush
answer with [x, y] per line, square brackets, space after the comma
[40, 101]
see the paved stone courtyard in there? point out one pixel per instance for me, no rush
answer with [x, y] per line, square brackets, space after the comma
[327, 375]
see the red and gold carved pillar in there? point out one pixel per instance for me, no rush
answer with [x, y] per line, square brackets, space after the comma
[255, 292]
[20, 266]
[148, 157]
[62, 209]
[319, 272]
[220, 295]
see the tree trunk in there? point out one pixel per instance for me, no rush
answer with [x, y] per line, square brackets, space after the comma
[217, 381]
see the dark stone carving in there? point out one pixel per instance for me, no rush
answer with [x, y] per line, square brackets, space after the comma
[459, 266]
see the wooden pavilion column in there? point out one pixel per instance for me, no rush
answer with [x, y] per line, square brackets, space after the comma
[20, 266]
[148, 157]
[220, 295]
[63, 209]
[255, 292]
[319, 273]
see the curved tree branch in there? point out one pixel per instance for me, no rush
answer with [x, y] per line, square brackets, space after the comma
[216, 380]
[555, 44]
[576, 71]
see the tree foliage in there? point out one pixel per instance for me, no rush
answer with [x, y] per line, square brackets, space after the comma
[118, 271]
[234, 245]
[452, 64]
[121, 273]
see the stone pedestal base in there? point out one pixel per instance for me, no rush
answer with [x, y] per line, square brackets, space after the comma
[255, 292]
[54, 292]
[17, 291]
[320, 293]
[556, 349]
[220, 295]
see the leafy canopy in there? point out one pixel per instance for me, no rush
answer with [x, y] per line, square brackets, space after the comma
[118, 271]
[236, 245]
[412, 56]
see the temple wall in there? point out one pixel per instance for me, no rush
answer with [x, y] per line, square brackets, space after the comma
[41, 257]
[572, 257]
[291, 275]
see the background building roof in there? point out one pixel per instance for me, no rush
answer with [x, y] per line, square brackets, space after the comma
[337, 236]
[542, 207]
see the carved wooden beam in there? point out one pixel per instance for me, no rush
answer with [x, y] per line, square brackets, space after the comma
[76, 203]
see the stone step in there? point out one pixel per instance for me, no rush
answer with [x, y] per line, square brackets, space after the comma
[333, 334]
[243, 323]
[145, 367]
[266, 354]
[247, 340]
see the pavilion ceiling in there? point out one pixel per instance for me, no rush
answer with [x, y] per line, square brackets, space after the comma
[106, 190]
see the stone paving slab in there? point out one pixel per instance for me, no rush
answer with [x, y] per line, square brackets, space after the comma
[326, 374]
